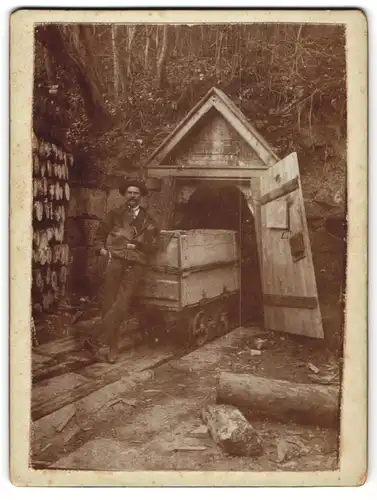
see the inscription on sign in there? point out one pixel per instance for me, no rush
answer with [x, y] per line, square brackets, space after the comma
[277, 214]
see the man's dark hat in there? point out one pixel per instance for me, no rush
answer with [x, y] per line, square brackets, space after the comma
[127, 182]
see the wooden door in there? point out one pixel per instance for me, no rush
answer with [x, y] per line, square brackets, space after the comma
[290, 297]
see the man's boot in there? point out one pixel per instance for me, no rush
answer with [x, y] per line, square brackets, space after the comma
[94, 349]
[112, 356]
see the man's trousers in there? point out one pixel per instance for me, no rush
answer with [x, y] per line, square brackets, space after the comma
[122, 281]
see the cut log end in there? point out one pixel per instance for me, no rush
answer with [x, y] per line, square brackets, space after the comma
[231, 431]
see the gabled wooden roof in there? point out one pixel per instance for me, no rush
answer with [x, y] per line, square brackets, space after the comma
[215, 99]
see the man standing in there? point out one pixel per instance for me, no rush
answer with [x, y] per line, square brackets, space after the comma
[127, 236]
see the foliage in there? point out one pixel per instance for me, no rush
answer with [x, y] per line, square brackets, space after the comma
[289, 80]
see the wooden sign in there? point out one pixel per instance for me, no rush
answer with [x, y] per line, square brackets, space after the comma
[277, 214]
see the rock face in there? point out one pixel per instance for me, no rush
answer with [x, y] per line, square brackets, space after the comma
[231, 431]
[87, 202]
[87, 208]
[81, 232]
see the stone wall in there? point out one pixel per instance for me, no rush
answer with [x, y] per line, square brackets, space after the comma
[87, 208]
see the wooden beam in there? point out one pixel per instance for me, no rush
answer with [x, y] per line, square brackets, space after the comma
[205, 173]
[292, 301]
[194, 182]
[286, 188]
[231, 105]
[251, 166]
[180, 133]
[115, 373]
[245, 133]
[152, 158]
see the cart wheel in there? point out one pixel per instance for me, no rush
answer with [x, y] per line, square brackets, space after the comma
[222, 321]
[199, 329]
[212, 322]
[234, 312]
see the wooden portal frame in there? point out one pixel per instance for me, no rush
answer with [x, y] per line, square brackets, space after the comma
[228, 148]
[245, 177]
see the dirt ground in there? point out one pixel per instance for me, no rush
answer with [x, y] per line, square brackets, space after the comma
[146, 430]
[159, 426]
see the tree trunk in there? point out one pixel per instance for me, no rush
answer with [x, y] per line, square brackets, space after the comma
[231, 431]
[50, 69]
[157, 39]
[147, 47]
[115, 61]
[219, 43]
[281, 400]
[161, 64]
[131, 34]
[70, 47]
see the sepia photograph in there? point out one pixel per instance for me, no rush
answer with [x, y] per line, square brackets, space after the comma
[188, 244]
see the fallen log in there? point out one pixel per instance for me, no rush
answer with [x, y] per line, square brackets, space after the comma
[280, 400]
[231, 431]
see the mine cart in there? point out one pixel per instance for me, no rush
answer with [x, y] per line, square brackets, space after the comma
[191, 289]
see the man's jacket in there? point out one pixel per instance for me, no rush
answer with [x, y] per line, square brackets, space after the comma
[120, 228]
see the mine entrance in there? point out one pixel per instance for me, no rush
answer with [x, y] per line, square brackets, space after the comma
[218, 205]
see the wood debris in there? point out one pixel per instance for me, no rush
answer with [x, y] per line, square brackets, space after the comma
[313, 368]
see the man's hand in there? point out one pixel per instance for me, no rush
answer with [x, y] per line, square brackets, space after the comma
[131, 246]
[103, 252]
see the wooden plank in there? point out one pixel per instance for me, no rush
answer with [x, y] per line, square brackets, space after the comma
[40, 358]
[302, 302]
[205, 246]
[277, 214]
[129, 362]
[209, 284]
[168, 196]
[55, 387]
[227, 109]
[59, 346]
[153, 184]
[205, 173]
[42, 408]
[251, 165]
[215, 144]
[286, 188]
[180, 133]
[203, 283]
[168, 255]
[245, 133]
[185, 250]
[165, 143]
[236, 111]
[77, 358]
[160, 204]
[211, 163]
[162, 304]
[281, 274]
[191, 183]
[258, 234]
[160, 286]
[305, 322]
[194, 269]
[42, 373]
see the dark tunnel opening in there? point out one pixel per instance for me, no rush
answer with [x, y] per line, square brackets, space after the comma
[224, 206]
